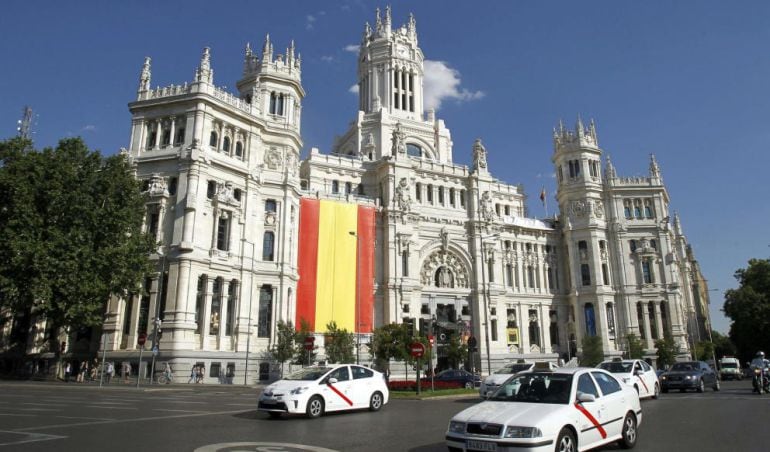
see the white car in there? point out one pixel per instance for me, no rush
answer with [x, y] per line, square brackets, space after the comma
[490, 384]
[566, 409]
[316, 390]
[635, 373]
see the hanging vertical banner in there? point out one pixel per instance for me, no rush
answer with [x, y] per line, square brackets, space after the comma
[336, 265]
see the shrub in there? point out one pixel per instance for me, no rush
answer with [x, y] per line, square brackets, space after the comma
[411, 385]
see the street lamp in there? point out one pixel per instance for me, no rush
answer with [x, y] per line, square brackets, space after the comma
[157, 321]
[358, 297]
[251, 297]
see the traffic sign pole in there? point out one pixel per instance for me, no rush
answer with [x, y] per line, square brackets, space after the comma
[139, 370]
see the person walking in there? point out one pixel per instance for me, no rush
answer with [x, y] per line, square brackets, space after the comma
[109, 371]
[167, 373]
[193, 374]
[83, 372]
[67, 371]
[201, 373]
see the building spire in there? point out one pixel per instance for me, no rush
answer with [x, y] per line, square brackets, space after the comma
[654, 168]
[144, 78]
[267, 50]
[609, 172]
[204, 73]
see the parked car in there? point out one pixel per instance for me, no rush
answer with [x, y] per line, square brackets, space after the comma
[635, 373]
[316, 390]
[459, 377]
[686, 375]
[565, 409]
[498, 377]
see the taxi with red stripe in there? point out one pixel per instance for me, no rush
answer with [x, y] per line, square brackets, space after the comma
[636, 373]
[315, 390]
[563, 410]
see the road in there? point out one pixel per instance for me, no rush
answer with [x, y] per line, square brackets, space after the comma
[44, 417]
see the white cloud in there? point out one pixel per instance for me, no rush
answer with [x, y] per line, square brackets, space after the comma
[353, 89]
[89, 128]
[309, 21]
[352, 48]
[327, 58]
[442, 82]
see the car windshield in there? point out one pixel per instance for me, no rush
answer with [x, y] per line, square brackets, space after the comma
[729, 366]
[616, 367]
[683, 367]
[309, 373]
[535, 388]
[513, 368]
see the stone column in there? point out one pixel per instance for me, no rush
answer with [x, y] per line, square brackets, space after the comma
[158, 131]
[658, 319]
[171, 137]
[206, 317]
[648, 342]
[545, 328]
[223, 313]
[524, 328]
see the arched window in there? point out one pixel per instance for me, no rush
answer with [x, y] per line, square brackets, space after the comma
[418, 192]
[268, 246]
[239, 149]
[610, 319]
[200, 298]
[335, 186]
[232, 300]
[265, 311]
[647, 271]
[213, 139]
[413, 150]
[226, 144]
[271, 205]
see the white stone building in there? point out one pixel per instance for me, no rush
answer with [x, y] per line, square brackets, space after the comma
[453, 243]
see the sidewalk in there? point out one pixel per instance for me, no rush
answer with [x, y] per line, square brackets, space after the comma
[144, 385]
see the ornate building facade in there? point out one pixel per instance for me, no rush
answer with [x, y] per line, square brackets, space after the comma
[455, 252]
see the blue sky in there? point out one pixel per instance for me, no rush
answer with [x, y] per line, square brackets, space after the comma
[687, 81]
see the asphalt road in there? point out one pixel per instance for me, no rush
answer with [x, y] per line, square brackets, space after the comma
[40, 416]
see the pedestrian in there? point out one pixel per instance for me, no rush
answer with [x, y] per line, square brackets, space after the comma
[201, 373]
[193, 374]
[127, 367]
[94, 369]
[110, 371]
[67, 371]
[167, 373]
[83, 372]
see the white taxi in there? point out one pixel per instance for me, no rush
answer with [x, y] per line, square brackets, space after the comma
[490, 384]
[635, 373]
[566, 409]
[316, 390]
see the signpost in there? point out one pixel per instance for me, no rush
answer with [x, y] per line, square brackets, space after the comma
[432, 342]
[472, 343]
[416, 349]
[141, 340]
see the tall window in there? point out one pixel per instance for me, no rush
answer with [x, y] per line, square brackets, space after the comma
[418, 192]
[549, 273]
[335, 186]
[153, 221]
[627, 209]
[213, 139]
[429, 194]
[226, 144]
[271, 205]
[200, 298]
[632, 245]
[491, 270]
[462, 198]
[232, 301]
[590, 319]
[585, 274]
[493, 329]
[166, 138]
[405, 264]
[531, 277]
[268, 246]
[647, 271]
[179, 139]
[223, 232]
[509, 275]
[276, 103]
[452, 197]
[211, 189]
[441, 196]
[534, 328]
[605, 275]
[265, 311]
[239, 149]
[348, 188]
[637, 210]
[216, 307]
[610, 319]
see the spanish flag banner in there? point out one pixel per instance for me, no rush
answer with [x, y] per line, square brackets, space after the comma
[336, 265]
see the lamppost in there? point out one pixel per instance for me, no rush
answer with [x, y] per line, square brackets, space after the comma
[157, 321]
[485, 293]
[251, 297]
[358, 297]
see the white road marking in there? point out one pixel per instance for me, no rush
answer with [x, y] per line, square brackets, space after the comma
[121, 421]
[112, 407]
[29, 437]
[18, 414]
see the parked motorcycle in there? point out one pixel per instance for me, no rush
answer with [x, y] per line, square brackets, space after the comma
[761, 380]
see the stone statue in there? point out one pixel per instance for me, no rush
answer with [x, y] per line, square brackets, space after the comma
[487, 210]
[399, 140]
[479, 155]
[403, 197]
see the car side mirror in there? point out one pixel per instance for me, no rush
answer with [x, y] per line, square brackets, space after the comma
[639, 372]
[583, 397]
[331, 380]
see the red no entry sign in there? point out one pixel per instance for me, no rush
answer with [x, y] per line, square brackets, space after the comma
[309, 342]
[141, 339]
[417, 349]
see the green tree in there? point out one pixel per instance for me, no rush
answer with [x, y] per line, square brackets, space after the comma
[339, 345]
[456, 351]
[723, 346]
[388, 342]
[635, 347]
[283, 350]
[667, 351]
[593, 351]
[302, 355]
[704, 351]
[70, 233]
[748, 307]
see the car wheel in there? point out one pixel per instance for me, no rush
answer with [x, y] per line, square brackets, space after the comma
[656, 392]
[566, 441]
[701, 386]
[274, 414]
[375, 401]
[468, 385]
[717, 386]
[315, 407]
[628, 435]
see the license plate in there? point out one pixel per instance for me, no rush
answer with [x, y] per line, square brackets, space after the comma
[481, 445]
[269, 402]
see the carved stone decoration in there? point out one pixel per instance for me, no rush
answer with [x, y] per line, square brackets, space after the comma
[270, 219]
[479, 155]
[399, 140]
[225, 194]
[292, 164]
[444, 234]
[444, 278]
[439, 259]
[157, 186]
[578, 208]
[487, 209]
[144, 78]
[403, 197]
[598, 209]
[273, 159]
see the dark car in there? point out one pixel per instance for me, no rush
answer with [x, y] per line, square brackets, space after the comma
[458, 377]
[689, 375]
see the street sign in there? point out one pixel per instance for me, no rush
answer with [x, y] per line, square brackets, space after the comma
[417, 349]
[155, 351]
[141, 339]
[432, 340]
[309, 343]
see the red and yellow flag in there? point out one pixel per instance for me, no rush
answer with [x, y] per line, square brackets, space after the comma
[336, 265]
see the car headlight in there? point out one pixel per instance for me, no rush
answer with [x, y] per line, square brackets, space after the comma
[298, 390]
[663, 377]
[457, 427]
[514, 431]
[688, 377]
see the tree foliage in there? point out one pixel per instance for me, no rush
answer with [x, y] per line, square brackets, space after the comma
[70, 232]
[635, 347]
[456, 351]
[748, 307]
[339, 344]
[723, 346]
[667, 352]
[283, 350]
[593, 351]
[301, 355]
[389, 342]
